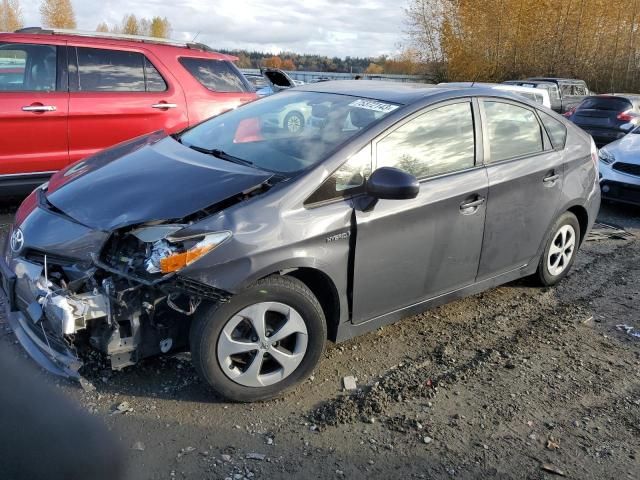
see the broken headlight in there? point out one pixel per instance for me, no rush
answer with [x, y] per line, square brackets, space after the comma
[169, 254]
[606, 156]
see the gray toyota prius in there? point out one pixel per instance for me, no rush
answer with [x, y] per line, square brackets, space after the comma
[251, 244]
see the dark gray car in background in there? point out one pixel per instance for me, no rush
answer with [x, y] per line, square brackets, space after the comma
[251, 246]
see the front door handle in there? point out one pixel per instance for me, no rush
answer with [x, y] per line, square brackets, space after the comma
[469, 207]
[39, 108]
[162, 106]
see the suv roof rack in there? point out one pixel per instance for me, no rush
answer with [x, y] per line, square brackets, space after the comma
[116, 36]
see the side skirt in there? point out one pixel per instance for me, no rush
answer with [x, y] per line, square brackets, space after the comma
[349, 330]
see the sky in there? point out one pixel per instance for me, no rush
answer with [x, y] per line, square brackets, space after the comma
[364, 28]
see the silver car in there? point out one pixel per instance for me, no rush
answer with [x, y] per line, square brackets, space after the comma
[251, 245]
[620, 169]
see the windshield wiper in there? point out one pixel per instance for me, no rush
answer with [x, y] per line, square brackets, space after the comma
[221, 154]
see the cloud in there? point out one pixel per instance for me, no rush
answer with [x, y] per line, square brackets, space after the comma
[335, 28]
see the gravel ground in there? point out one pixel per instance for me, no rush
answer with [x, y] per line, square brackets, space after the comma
[517, 382]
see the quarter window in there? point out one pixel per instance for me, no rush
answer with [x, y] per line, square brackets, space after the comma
[440, 141]
[347, 180]
[555, 129]
[215, 75]
[25, 67]
[153, 80]
[513, 131]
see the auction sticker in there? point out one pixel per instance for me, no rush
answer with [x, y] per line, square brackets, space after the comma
[374, 105]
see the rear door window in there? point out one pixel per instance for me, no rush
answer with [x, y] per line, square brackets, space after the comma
[102, 70]
[27, 67]
[216, 75]
[513, 131]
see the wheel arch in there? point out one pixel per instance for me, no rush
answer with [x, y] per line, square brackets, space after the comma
[324, 289]
[583, 219]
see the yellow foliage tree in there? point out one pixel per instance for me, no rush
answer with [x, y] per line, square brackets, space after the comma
[57, 14]
[273, 62]
[10, 16]
[102, 27]
[130, 25]
[496, 40]
[160, 27]
[374, 69]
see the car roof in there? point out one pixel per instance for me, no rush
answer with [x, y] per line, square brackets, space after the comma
[530, 80]
[100, 38]
[385, 91]
[556, 79]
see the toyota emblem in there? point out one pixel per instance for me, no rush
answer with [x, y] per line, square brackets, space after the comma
[17, 240]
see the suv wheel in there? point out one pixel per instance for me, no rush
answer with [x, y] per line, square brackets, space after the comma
[264, 341]
[294, 122]
[560, 251]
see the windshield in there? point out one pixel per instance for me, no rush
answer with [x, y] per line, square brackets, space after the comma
[287, 132]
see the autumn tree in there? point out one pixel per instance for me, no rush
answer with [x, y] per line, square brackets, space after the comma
[10, 16]
[57, 14]
[496, 40]
[287, 64]
[374, 69]
[130, 25]
[160, 27]
[102, 27]
[273, 62]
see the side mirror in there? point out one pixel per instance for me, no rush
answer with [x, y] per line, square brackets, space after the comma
[388, 183]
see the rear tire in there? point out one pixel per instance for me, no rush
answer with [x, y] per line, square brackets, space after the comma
[560, 250]
[264, 341]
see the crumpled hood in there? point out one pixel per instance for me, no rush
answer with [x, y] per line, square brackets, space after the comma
[627, 149]
[146, 179]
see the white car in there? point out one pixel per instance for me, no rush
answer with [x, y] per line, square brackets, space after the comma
[620, 169]
[537, 95]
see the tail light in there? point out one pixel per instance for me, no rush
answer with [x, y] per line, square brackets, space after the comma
[594, 158]
[569, 113]
[627, 116]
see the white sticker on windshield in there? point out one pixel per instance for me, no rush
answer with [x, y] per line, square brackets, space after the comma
[374, 105]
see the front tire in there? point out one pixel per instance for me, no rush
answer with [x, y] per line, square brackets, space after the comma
[560, 250]
[294, 123]
[264, 341]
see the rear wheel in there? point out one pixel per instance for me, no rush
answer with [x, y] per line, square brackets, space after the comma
[264, 341]
[560, 250]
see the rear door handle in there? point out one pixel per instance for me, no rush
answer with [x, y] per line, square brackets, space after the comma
[472, 206]
[164, 105]
[39, 108]
[551, 178]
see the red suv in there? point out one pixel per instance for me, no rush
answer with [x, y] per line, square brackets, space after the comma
[65, 95]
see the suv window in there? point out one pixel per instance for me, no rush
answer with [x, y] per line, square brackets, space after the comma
[513, 131]
[102, 70]
[215, 75]
[439, 141]
[25, 67]
[555, 129]
[153, 80]
[347, 180]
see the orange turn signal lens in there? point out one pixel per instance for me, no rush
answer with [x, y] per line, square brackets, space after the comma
[177, 261]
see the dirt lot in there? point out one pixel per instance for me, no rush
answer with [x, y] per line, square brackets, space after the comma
[499, 385]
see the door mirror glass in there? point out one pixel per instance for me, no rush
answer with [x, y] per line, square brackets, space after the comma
[388, 183]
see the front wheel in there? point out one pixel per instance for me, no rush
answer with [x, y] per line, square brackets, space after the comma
[264, 341]
[560, 250]
[294, 122]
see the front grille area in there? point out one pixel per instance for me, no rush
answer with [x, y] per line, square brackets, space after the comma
[200, 290]
[629, 168]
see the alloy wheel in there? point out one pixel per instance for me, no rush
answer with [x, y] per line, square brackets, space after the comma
[262, 344]
[562, 250]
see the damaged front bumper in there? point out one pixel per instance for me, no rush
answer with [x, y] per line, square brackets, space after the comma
[46, 349]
